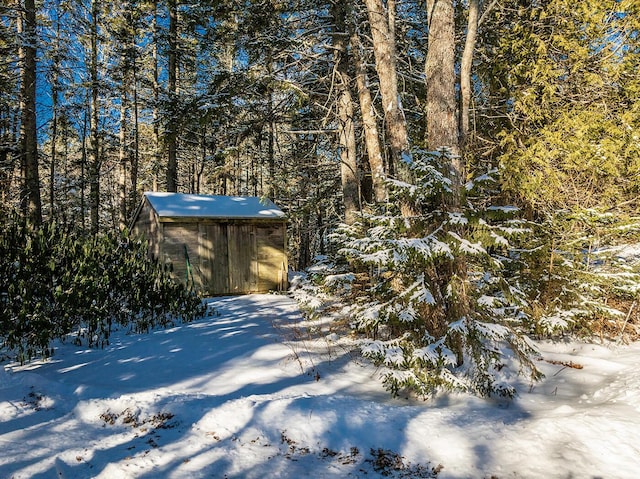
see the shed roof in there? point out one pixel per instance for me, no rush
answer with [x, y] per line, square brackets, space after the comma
[178, 205]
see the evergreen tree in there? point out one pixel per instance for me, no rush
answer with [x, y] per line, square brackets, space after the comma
[430, 327]
[561, 106]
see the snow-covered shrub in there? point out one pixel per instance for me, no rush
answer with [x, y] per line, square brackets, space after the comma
[54, 281]
[431, 295]
[583, 271]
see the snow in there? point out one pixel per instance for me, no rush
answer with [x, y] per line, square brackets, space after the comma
[256, 391]
[212, 206]
[504, 209]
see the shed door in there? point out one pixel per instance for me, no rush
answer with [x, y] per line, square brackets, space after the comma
[243, 258]
[272, 260]
[215, 258]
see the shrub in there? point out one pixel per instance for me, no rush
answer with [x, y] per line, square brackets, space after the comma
[582, 272]
[55, 282]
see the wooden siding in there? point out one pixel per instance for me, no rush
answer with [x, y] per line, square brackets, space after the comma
[180, 242]
[147, 226]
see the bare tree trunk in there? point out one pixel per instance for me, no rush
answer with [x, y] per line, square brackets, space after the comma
[348, 160]
[347, 137]
[156, 98]
[55, 87]
[83, 164]
[172, 135]
[272, 192]
[7, 160]
[54, 140]
[271, 150]
[369, 123]
[5, 177]
[442, 122]
[200, 168]
[442, 125]
[384, 49]
[135, 159]
[94, 164]
[465, 70]
[122, 154]
[29, 141]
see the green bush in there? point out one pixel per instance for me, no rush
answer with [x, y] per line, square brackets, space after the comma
[582, 272]
[55, 282]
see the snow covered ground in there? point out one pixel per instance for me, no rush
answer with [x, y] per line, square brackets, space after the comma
[256, 392]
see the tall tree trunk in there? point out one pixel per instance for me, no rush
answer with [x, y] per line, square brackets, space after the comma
[83, 164]
[94, 164]
[123, 153]
[156, 98]
[271, 129]
[135, 160]
[65, 137]
[135, 151]
[346, 131]
[172, 135]
[384, 49]
[369, 123]
[271, 149]
[5, 177]
[29, 140]
[442, 125]
[55, 87]
[54, 140]
[442, 122]
[465, 70]
[7, 138]
[203, 162]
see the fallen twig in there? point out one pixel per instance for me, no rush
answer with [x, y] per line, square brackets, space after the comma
[633, 305]
[568, 364]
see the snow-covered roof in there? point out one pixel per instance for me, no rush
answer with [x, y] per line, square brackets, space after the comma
[176, 205]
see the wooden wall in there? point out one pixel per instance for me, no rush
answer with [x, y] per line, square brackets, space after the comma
[146, 224]
[179, 242]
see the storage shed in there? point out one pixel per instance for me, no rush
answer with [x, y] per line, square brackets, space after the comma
[224, 244]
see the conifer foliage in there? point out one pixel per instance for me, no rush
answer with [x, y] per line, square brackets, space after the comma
[583, 273]
[429, 326]
[55, 283]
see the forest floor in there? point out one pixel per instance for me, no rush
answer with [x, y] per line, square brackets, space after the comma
[257, 391]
